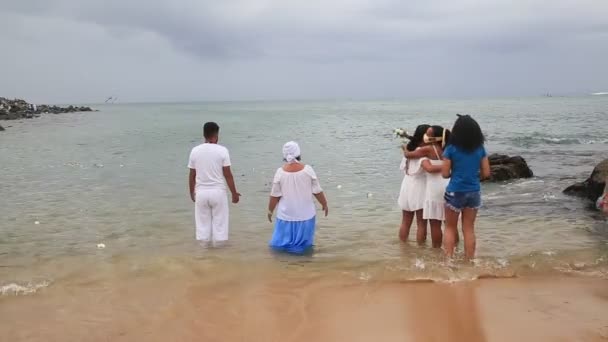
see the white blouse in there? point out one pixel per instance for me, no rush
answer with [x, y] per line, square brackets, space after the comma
[296, 190]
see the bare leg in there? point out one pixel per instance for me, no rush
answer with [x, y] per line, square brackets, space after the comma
[406, 224]
[451, 231]
[468, 231]
[421, 224]
[436, 234]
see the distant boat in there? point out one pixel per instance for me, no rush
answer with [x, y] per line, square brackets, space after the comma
[599, 94]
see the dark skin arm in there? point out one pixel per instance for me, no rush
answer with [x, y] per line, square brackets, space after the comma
[430, 168]
[323, 201]
[418, 153]
[446, 168]
[230, 181]
[485, 169]
[484, 174]
[425, 151]
[192, 183]
[272, 204]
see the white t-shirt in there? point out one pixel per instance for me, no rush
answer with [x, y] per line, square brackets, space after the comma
[209, 160]
[296, 190]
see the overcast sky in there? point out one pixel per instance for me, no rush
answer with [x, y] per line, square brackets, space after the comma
[175, 50]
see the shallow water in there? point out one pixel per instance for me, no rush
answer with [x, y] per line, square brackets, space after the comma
[118, 177]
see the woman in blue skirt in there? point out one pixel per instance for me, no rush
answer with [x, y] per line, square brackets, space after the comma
[294, 188]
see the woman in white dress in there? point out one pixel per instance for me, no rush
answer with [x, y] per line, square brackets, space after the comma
[412, 193]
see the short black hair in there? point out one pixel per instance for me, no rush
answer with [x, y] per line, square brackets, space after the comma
[418, 137]
[467, 134]
[210, 130]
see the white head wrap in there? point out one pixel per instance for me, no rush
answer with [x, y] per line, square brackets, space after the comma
[291, 151]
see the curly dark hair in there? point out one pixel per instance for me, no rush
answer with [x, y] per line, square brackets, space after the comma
[466, 134]
[417, 138]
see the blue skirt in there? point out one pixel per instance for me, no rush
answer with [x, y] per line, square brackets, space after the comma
[293, 236]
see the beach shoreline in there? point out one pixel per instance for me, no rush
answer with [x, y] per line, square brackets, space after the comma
[76, 181]
[327, 307]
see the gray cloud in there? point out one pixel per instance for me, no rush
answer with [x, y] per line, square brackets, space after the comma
[235, 49]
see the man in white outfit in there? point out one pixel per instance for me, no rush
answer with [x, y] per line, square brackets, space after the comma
[209, 173]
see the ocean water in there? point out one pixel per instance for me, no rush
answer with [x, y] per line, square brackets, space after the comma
[119, 177]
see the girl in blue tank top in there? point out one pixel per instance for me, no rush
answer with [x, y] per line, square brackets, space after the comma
[465, 163]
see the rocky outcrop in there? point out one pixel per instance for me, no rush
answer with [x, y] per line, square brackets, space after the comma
[1, 128]
[505, 168]
[593, 187]
[20, 109]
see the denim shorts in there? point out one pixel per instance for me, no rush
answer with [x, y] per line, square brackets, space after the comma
[461, 200]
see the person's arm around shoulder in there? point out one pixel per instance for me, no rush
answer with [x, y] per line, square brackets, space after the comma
[275, 193]
[486, 172]
[230, 178]
[446, 167]
[421, 152]
[430, 167]
[317, 191]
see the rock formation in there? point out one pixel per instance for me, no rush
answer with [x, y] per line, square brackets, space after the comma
[593, 187]
[505, 168]
[20, 109]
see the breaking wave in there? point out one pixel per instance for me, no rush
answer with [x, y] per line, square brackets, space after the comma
[529, 141]
[22, 289]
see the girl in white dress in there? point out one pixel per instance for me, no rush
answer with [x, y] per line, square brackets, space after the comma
[412, 193]
[435, 185]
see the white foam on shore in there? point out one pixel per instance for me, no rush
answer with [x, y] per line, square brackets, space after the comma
[17, 289]
[526, 183]
[365, 276]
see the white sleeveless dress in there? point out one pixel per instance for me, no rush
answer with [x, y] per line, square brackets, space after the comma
[412, 194]
[434, 203]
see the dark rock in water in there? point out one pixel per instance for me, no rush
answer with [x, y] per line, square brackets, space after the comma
[19, 109]
[505, 168]
[593, 187]
[14, 116]
[1, 128]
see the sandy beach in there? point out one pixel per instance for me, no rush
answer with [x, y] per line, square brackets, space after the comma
[123, 122]
[323, 308]
[118, 178]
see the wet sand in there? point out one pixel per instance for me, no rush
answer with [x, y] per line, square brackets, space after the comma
[321, 308]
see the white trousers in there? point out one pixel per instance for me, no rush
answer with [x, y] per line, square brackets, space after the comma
[211, 215]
